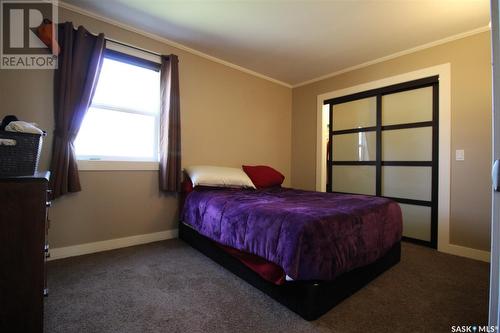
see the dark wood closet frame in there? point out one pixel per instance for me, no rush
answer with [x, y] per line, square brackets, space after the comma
[433, 82]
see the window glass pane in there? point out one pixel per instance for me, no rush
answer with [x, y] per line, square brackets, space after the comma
[355, 114]
[412, 144]
[122, 85]
[355, 147]
[117, 134]
[407, 107]
[407, 182]
[354, 179]
[416, 221]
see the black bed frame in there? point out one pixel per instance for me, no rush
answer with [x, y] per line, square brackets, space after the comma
[309, 299]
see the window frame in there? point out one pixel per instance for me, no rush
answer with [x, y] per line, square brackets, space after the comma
[136, 57]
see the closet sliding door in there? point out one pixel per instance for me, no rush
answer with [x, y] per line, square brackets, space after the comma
[354, 146]
[384, 142]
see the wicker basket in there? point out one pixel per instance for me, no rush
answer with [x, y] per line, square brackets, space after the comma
[22, 158]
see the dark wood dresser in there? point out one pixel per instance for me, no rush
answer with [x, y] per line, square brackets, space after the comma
[23, 251]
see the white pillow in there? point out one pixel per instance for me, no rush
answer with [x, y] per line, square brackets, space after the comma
[206, 175]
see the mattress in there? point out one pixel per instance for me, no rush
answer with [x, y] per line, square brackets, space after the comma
[310, 235]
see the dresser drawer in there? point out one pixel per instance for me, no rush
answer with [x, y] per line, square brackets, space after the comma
[46, 248]
[23, 240]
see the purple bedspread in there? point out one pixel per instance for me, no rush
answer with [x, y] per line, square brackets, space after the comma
[311, 235]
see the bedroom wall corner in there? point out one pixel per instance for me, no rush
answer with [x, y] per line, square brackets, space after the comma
[229, 118]
[470, 129]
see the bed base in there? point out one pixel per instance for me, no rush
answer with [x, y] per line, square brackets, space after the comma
[308, 299]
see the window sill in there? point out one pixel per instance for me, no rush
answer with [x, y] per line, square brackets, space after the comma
[92, 165]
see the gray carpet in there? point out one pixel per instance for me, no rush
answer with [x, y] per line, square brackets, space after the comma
[170, 287]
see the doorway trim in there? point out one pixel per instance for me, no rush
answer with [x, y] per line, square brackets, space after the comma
[444, 73]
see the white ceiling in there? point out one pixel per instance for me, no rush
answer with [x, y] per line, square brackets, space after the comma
[296, 41]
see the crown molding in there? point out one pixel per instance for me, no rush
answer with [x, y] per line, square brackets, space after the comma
[397, 54]
[177, 45]
[169, 42]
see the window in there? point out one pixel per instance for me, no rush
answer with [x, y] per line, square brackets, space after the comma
[122, 123]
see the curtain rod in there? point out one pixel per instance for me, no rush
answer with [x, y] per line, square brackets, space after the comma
[125, 44]
[132, 46]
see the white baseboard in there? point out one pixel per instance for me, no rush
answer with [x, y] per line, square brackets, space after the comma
[110, 244]
[117, 243]
[466, 252]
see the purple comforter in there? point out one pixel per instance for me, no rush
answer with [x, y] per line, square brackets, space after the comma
[311, 235]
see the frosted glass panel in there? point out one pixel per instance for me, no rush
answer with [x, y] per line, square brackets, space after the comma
[407, 107]
[407, 182]
[354, 179]
[412, 144]
[416, 221]
[355, 147]
[359, 113]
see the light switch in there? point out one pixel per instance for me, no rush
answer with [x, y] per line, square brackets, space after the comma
[459, 155]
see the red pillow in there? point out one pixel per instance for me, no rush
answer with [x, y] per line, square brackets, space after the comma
[263, 176]
[187, 185]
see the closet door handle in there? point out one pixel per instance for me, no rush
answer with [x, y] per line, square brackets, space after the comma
[46, 251]
[495, 176]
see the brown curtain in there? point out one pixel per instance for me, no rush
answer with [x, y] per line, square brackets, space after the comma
[170, 126]
[75, 79]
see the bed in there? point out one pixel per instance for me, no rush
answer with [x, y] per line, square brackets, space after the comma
[307, 250]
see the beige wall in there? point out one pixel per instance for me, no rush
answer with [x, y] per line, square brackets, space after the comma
[470, 125]
[228, 118]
